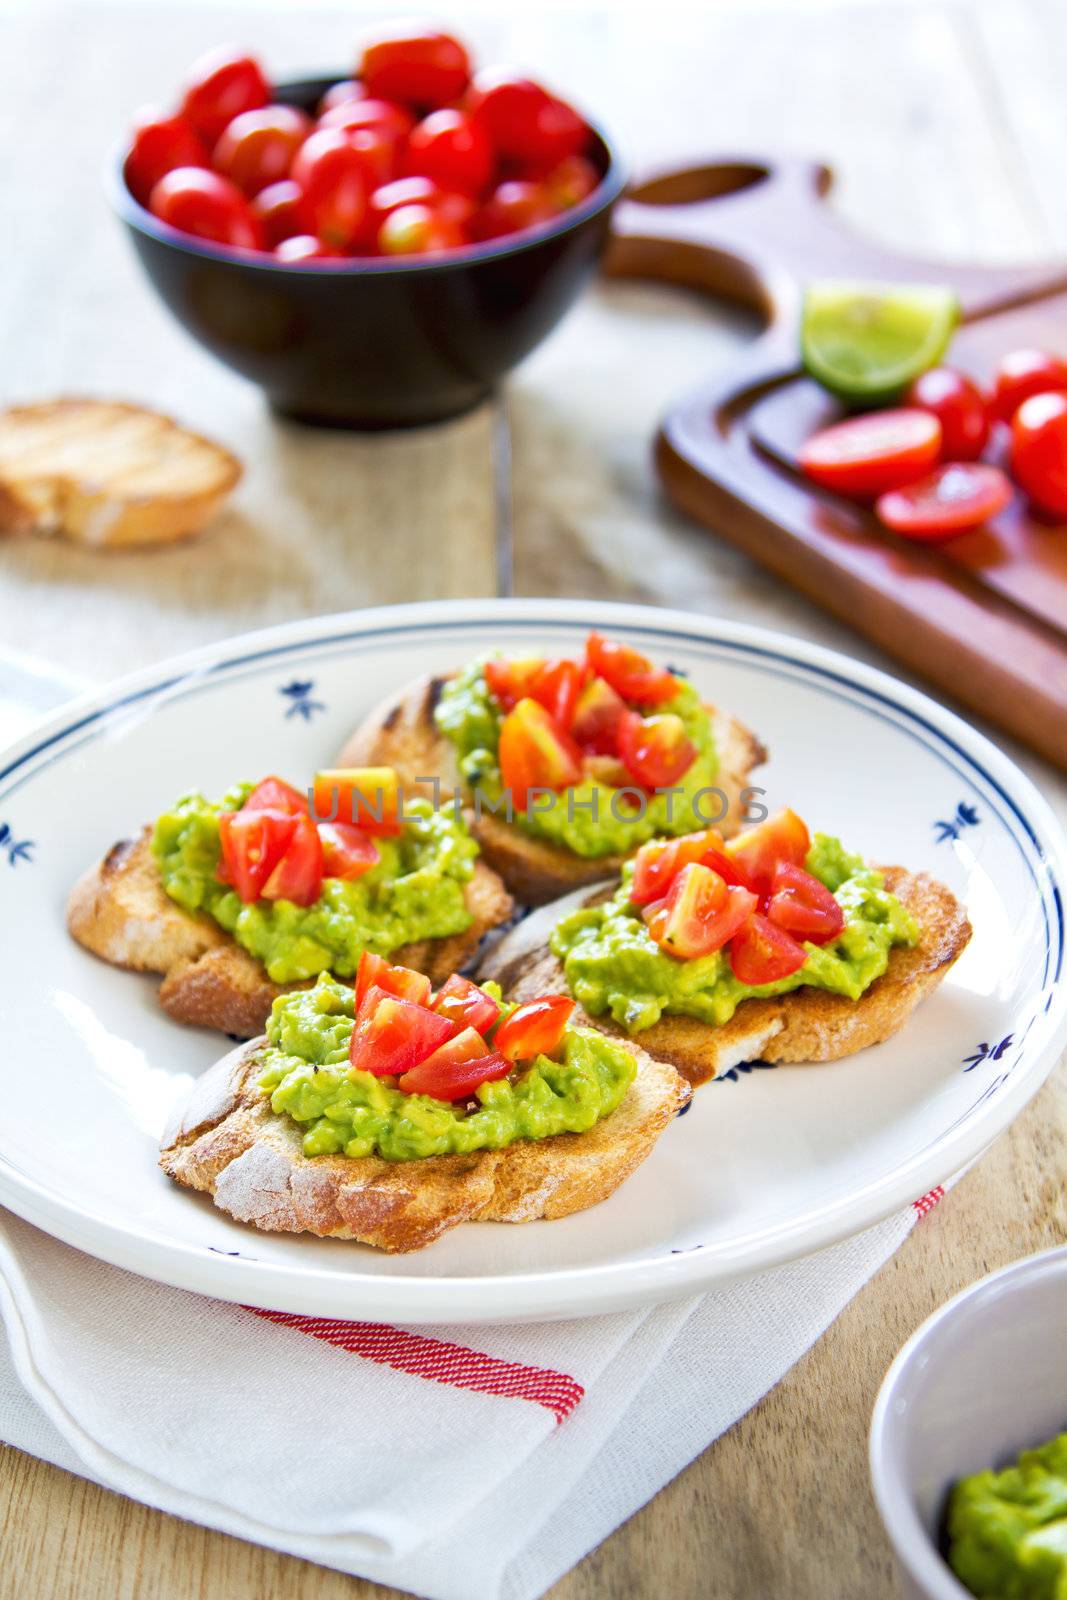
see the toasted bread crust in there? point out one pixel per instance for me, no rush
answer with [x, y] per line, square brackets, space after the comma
[806, 1025]
[120, 911]
[401, 733]
[227, 1142]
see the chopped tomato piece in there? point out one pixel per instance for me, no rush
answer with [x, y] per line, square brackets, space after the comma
[954, 498]
[534, 1029]
[463, 1003]
[783, 837]
[374, 972]
[659, 862]
[700, 913]
[656, 750]
[455, 1070]
[274, 794]
[867, 455]
[298, 875]
[629, 672]
[367, 797]
[557, 686]
[762, 953]
[347, 852]
[535, 753]
[393, 1036]
[732, 872]
[803, 906]
[253, 842]
[511, 679]
[596, 718]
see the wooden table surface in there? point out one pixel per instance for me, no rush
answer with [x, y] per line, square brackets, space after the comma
[947, 125]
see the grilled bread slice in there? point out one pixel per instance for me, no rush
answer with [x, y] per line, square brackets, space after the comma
[402, 733]
[805, 1025]
[119, 910]
[100, 472]
[227, 1142]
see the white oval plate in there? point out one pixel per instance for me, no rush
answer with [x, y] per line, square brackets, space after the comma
[766, 1166]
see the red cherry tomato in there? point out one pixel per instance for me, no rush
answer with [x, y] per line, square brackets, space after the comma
[298, 875]
[628, 672]
[411, 192]
[374, 972]
[418, 68]
[207, 205]
[332, 175]
[512, 678]
[274, 794]
[393, 1036]
[368, 797]
[252, 844]
[803, 906]
[763, 953]
[513, 205]
[339, 94]
[381, 116]
[257, 148]
[463, 1003]
[656, 750]
[347, 852]
[525, 124]
[959, 406]
[534, 1029]
[418, 231]
[1022, 373]
[571, 182]
[159, 145]
[305, 247]
[659, 862]
[535, 753]
[878, 451]
[452, 150]
[1039, 451]
[952, 499]
[757, 851]
[455, 1069]
[220, 86]
[278, 209]
[596, 718]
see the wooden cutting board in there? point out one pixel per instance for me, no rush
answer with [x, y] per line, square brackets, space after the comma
[983, 616]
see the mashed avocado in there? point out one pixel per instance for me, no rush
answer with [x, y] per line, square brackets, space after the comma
[307, 1072]
[612, 963]
[587, 822]
[414, 892]
[1007, 1530]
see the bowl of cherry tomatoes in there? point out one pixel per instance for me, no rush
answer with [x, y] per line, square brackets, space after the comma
[375, 250]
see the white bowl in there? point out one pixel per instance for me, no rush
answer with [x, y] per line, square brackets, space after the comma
[982, 1379]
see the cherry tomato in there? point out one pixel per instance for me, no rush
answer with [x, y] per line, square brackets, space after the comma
[556, 685]
[208, 206]
[159, 145]
[730, 871]
[393, 1036]
[659, 862]
[418, 68]
[534, 1029]
[513, 205]
[298, 875]
[333, 177]
[597, 716]
[1023, 373]
[803, 906]
[347, 852]
[340, 94]
[463, 1003]
[418, 231]
[700, 913]
[763, 953]
[952, 499]
[305, 247]
[278, 209]
[252, 844]
[656, 750]
[220, 86]
[257, 148]
[411, 192]
[455, 1069]
[384, 117]
[629, 673]
[525, 124]
[368, 797]
[959, 406]
[452, 150]
[869, 454]
[571, 182]
[535, 753]
[1039, 451]
[274, 794]
[374, 972]
[512, 678]
[783, 837]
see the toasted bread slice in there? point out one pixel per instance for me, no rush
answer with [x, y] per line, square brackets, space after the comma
[806, 1025]
[401, 733]
[227, 1142]
[104, 473]
[119, 910]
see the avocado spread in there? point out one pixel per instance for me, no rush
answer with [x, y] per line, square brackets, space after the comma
[592, 818]
[612, 963]
[1007, 1531]
[308, 1076]
[415, 891]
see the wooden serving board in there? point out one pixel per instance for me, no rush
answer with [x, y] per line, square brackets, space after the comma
[983, 616]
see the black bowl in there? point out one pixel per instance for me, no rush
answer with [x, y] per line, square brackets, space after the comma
[375, 343]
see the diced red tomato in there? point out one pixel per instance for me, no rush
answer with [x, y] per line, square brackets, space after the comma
[557, 685]
[511, 678]
[700, 913]
[803, 906]
[534, 1029]
[420, 68]
[762, 953]
[298, 875]
[871, 453]
[783, 837]
[456, 1069]
[375, 972]
[596, 718]
[535, 753]
[253, 843]
[1022, 373]
[732, 872]
[656, 750]
[463, 1003]
[368, 797]
[347, 852]
[953, 499]
[629, 673]
[659, 862]
[394, 1036]
[274, 794]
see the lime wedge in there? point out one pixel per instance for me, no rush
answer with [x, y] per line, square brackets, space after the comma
[867, 341]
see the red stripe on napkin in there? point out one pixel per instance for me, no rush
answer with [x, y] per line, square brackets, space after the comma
[453, 1364]
[929, 1201]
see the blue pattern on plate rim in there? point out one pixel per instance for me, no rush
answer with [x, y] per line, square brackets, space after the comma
[987, 1052]
[15, 850]
[965, 816]
[299, 694]
[746, 1067]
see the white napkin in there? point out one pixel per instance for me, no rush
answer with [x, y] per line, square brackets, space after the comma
[468, 1463]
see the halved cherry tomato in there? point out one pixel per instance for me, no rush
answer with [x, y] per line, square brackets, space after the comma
[278, 209]
[332, 175]
[515, 204]
[535, 753]
[525, 123]
[803, 906]
[253, 843]
[596, 718]
[952, 499]
[960, 407]
[511, 678]
[629, 673]
[452, 150]
[1022, 373]
[455, 1069]
[418, 231]
[463, 1003]
[700, 914]
[220, 86]
[761, 953]
[160, 144]
[874, 452]
[658, 863]
[421, 68]
[347, 852]
[375, 972]
[656, 750]
[783, 837]
[571, 182]
[207, 206]
[731, 872]
[257, 148]
[534, 1029]
[394, 1036]
[368, 797]
[1039, 451]
[557, 685]
[298, 875]
[274, 794]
